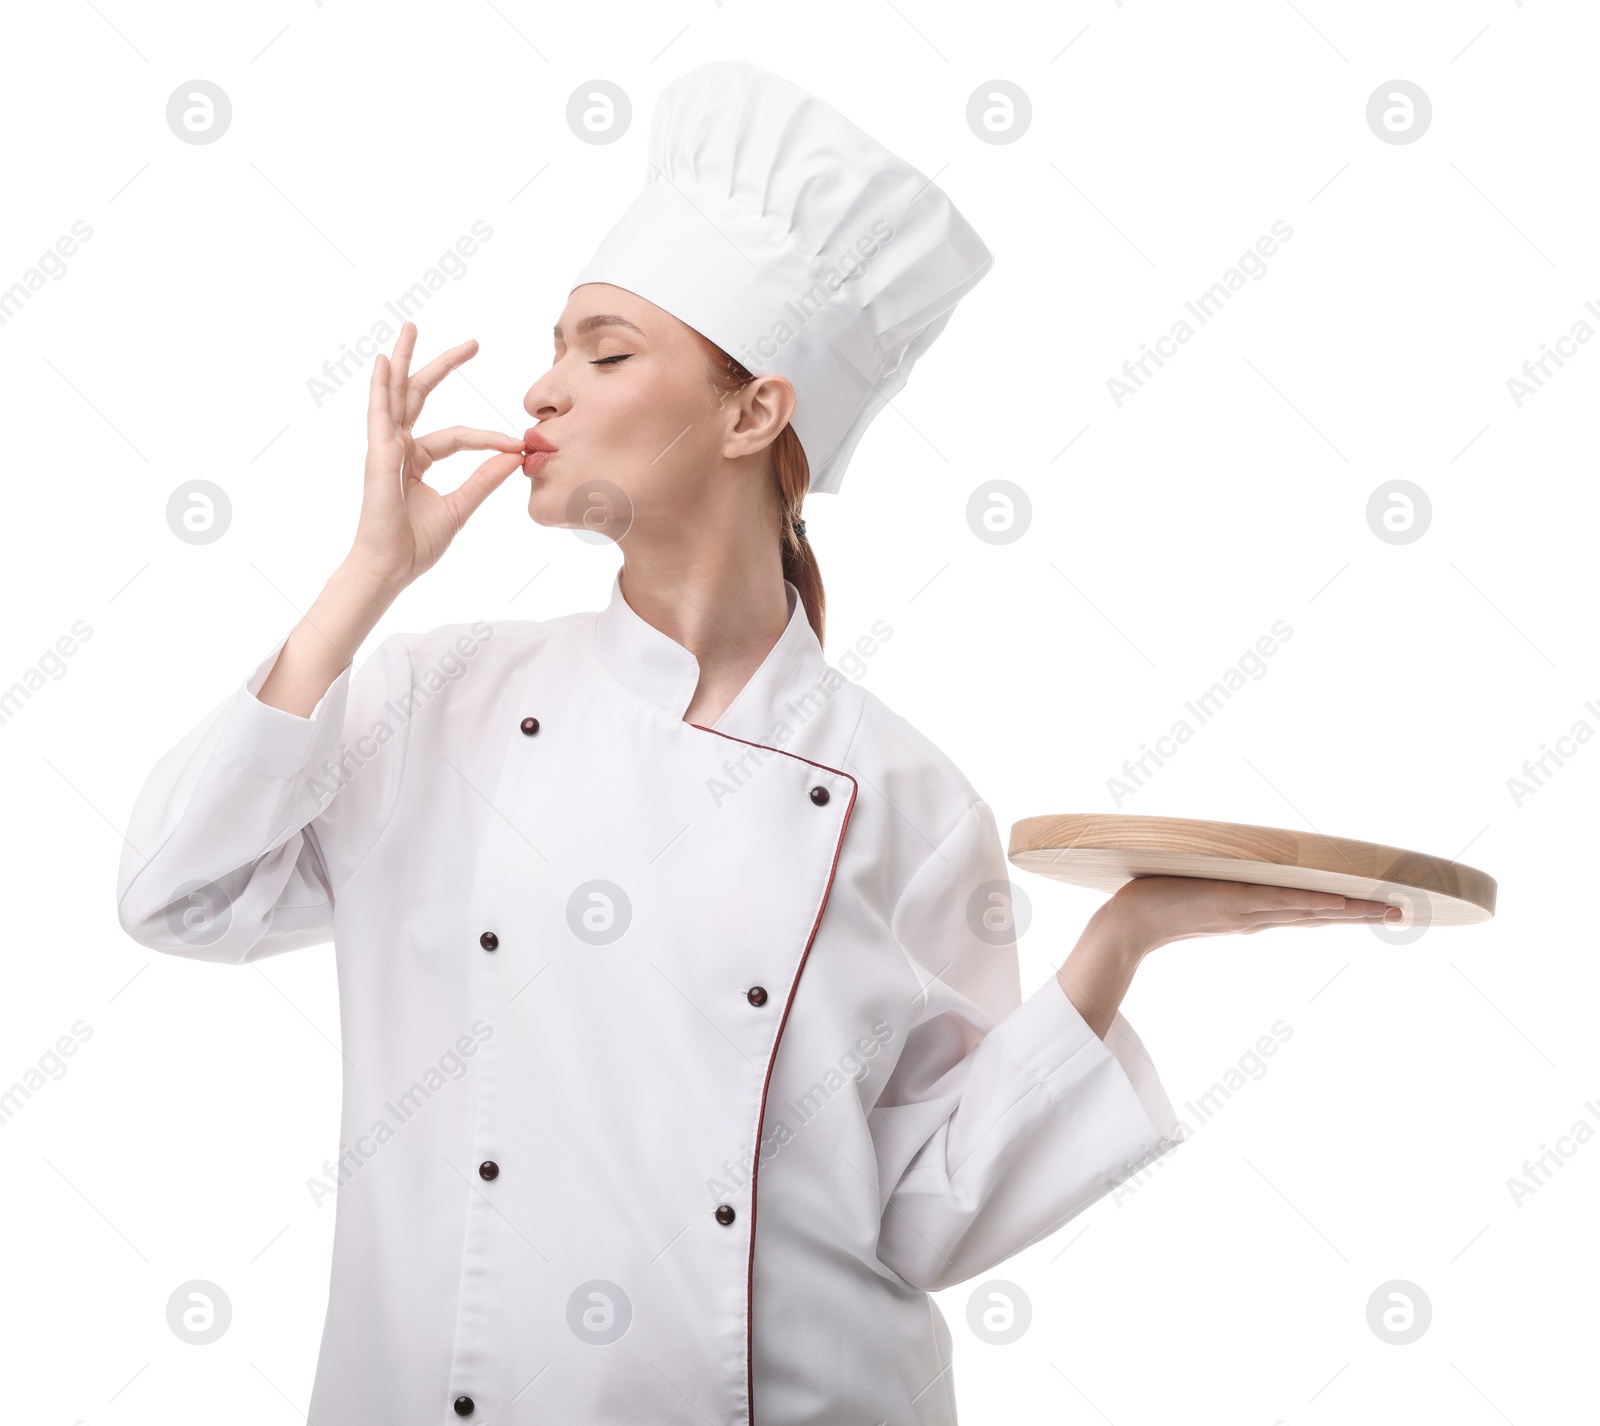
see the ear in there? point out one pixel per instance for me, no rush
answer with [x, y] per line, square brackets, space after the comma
[761, 410]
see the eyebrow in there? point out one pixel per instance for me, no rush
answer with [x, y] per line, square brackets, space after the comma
[603, 319]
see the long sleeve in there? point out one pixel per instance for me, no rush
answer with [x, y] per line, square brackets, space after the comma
[1003, 1118]
[243, 831]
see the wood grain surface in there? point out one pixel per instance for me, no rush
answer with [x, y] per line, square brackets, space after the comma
[1106, 850]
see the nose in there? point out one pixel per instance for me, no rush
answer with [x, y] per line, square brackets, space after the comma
[548, 396]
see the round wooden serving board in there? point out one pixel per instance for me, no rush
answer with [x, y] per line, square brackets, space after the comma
[1107, 850]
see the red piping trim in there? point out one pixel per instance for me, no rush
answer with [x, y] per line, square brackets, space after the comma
[794, 985]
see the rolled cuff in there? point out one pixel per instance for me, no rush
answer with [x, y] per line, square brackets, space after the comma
[272, 741]
[1047, 1030]
[1125, 1044]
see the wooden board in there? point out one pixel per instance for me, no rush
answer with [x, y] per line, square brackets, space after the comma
[1107, 850]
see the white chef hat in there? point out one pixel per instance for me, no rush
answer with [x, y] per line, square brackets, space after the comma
[797, 243]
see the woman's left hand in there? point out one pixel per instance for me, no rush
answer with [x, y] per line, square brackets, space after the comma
[1154, 910]
[1150, 911]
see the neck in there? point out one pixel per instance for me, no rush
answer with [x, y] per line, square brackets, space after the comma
[724, 601]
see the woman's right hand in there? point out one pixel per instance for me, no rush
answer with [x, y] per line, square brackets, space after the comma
[405, 524]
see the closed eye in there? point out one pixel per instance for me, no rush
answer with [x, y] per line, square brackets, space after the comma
[607, 361]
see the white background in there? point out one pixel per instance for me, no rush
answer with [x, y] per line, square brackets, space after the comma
[1167, 536]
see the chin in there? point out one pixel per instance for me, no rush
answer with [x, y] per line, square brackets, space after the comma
[599, 506]
[547, 505]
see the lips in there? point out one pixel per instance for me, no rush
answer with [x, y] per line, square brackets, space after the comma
[538, 449]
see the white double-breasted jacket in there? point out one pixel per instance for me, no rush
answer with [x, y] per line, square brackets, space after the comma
[681, 1062]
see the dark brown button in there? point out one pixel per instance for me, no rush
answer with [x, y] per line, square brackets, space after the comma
[530, 726]
[724, 1214]
[488, 940]
[488, 1169]
[463, 1406]
[819, 795]
[756, 995]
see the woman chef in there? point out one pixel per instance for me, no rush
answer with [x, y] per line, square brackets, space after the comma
[722, 944]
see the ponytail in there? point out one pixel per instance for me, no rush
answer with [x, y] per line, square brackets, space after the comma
[793, 475]
[791, 478]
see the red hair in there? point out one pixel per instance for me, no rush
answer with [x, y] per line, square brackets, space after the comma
[791, 478]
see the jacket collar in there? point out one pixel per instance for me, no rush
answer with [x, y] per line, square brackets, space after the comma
[659, 670]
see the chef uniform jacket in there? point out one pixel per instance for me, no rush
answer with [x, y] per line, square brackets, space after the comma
[723, 1023]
